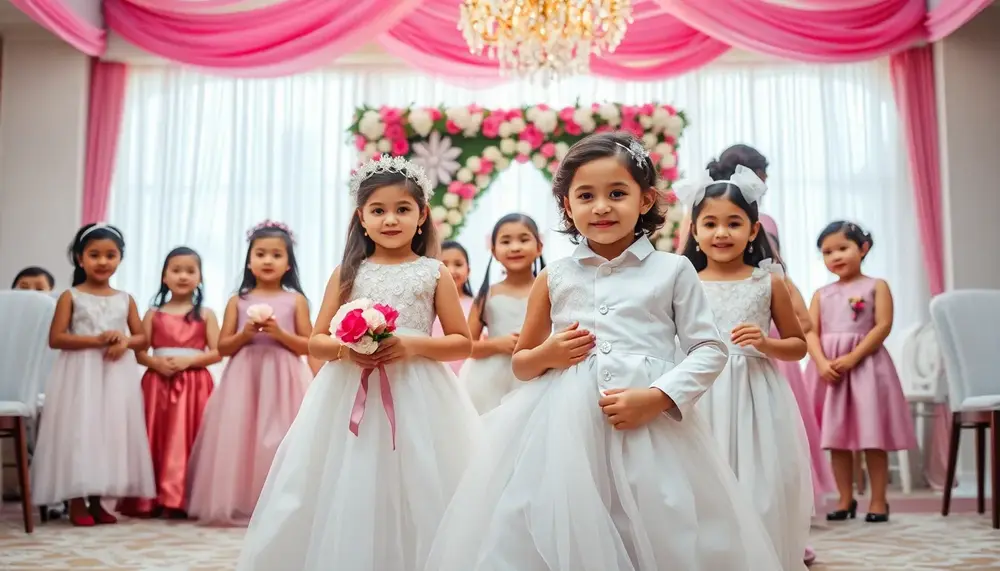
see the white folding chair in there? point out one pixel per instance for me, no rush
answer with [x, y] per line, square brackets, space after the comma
[922, 377]
[26, 362]
[965, 321]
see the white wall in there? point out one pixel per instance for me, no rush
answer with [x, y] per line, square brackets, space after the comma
[968, 93]
[43, 118]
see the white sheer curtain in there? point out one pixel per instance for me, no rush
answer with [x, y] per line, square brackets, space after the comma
[203, 158]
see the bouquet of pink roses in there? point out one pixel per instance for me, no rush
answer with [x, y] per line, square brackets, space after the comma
[362, 324]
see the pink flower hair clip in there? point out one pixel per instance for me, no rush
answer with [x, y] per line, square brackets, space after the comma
[274, 224]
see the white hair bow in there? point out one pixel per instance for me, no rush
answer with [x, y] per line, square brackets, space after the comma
[692, 191]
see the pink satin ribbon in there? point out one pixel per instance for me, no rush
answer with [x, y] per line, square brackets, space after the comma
[358, 411]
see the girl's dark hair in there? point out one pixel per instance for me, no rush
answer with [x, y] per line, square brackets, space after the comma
[34, 272]
[735, 155]
[775, 244]
[601, 146]
[454, 245]
[199, 291]
[759, 248]
[289, 281]
[87, 234]
[851, 231]
[537, 266]
[359, 246]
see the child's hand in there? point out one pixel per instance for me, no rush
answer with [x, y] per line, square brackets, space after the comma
[115, 351]
[747, 334]
[179, 364]
[844, 364]
[251, 328]
[164, 366]
[360, 359]
[271, 327]
[627, 409]
[568, 347]
[391, 350]
[505, 345]
[827, 372]
[111, 337]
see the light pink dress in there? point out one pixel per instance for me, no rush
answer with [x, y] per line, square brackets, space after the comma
[245, 420]
[866, 409]
[822, 478]
[436, 330]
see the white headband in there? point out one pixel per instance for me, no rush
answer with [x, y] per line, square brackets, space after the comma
[102, 226]
[692, 191]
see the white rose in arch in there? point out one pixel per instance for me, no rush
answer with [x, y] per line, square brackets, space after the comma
[464, 175]
[547, 121]
[675, 214]
[472, 126]
[458, 116]
[649, 141]
[523, 148]
[473, 163]
[532, 113]
[561, 150]
[582, 115]
[660, 117]
[370, 149]
[384, 146]
[444, 230]
[450, 200]
[610, 114]
[438, 213]
[371, 125]
[645, 121]
[421, 122]
[492, 154]
[674, 126]
[665, 244]
[539, 160]
[663, 149]
[505, 130]
[467, 205]
[588, 126]
[455, 217]
[508, 146]
[668, 161]
[517, 125]
[483, 180]
[502, 164]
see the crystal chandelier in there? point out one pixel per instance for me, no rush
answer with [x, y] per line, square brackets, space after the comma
[544, 39]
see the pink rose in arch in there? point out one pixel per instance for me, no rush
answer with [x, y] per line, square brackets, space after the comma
[473, 108]
[486, 166]
[669, 174]
[670, 198]
[542, 107]
[553, 167]
[603, 129]
[400, 147]
[655, 158]
[359, 142]
[548, 150]
[394, 131]
[522, 158]
[514, 114]
[572, 128]
[670, 109]
[533, 136]
[566, 114]
[455, 187]
[647, 109]
[435, 113]
[451, 127]
[467, 190]
[390, 114]
[491, 125]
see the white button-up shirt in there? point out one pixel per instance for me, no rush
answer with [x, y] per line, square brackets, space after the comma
[640, 307]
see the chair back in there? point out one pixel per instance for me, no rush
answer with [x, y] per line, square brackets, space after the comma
[965, 322]
[922, 369]
[24, 345]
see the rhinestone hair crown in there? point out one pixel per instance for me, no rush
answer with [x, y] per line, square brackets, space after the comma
[271, 224]
[386, 163]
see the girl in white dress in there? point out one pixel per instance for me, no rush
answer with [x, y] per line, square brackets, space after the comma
[499, 308]
[599, 462]
[372, 501]
[751, 408]
[92, 439]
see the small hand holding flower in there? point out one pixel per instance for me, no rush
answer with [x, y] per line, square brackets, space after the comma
[628, 409]
[391, 350]
[747, 334]
[258, 315]
[271, 327]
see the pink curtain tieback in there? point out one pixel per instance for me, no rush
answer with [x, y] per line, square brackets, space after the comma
[358, 410]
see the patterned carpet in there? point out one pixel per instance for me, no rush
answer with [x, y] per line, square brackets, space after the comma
[912, 542]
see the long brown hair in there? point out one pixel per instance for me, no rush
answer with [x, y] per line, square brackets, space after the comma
[359, 246]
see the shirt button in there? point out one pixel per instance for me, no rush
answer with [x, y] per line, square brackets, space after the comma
[603, 309]
[607, 375]
[606, 271]
[605, 347]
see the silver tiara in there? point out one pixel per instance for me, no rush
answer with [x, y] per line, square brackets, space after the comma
[638, 152]
[386, 163]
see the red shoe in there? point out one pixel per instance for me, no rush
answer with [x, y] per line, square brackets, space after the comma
[85, 520]
[102, 516]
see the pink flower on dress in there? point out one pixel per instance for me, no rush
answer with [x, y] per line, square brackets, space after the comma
[353, 327]
[857, 306]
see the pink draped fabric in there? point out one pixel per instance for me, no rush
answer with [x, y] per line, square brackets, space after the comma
[913, 85]
[84, 31]
[104, 117]
[949, 15]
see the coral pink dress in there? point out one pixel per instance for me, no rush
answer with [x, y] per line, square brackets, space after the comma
[174, 409]
[436, 331]
[822, 478]
[247, 417]
[866, 409]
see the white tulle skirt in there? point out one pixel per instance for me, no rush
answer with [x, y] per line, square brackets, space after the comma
[756, 421]
[488, 380]
[553, 487]
[336, 500]
[92, 435]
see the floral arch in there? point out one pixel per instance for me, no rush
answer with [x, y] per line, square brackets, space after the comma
[463, 149]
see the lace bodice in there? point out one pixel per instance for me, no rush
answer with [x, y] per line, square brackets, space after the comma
[738, 302]
[409, 287]
[95, 314]
[505, 314]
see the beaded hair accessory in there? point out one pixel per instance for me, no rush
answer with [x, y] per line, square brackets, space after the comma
[386, 163]
[102, 226]
[266, 224]
[639, 153]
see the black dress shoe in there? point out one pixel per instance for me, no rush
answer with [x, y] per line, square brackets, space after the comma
[878, 518]
[841, 515]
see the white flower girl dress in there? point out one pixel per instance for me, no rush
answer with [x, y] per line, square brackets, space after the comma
[488, 380]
